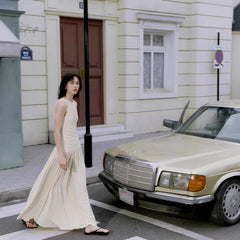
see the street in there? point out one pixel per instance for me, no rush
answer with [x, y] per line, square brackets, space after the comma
[125, 223]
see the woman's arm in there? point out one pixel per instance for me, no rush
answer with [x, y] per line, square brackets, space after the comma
[60, 111]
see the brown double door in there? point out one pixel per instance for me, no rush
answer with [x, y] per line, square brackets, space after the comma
[72, 60]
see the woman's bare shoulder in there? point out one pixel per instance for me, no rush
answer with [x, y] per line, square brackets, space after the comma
[61, 104]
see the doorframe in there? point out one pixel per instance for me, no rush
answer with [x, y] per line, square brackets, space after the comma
[110, 75]
[53, 67]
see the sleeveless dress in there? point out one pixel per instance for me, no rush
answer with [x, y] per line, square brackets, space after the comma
[59, 198]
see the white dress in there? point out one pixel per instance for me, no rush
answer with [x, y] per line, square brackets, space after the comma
[59, 198]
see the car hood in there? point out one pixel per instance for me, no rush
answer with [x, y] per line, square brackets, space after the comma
[180, 152]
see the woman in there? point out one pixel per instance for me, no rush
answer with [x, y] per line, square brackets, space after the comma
[59, 197]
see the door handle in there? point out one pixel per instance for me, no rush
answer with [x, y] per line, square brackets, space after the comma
[82, 73]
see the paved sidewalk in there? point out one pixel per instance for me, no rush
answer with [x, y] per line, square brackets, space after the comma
[17, 182]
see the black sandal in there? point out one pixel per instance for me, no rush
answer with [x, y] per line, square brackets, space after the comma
[97, 232]
[31, 221]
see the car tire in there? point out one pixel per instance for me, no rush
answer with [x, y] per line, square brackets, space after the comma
[226, 209]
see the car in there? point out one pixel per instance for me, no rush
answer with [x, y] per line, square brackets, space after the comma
[197, 163]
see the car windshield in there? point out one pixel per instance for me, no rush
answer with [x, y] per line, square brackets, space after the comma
[214, 122]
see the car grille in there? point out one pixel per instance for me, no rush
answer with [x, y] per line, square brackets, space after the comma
[134, 173]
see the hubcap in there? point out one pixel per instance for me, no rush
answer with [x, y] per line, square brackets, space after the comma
[231, 201]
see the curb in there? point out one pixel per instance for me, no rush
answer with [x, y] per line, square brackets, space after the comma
[23, 193]
[93, 180]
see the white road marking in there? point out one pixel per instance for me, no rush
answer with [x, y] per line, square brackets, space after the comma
[153, 221]
[136, 238]
[17, 208]
[11, 210]
[29, 234]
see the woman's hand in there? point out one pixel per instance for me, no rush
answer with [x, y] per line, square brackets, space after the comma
[63, 162]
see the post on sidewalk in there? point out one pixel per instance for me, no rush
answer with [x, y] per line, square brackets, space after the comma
[88, 135]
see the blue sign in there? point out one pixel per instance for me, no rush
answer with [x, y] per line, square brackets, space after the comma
[81, 5]
[26, 54]
[219, 56]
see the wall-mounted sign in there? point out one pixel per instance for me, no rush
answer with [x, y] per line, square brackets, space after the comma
[26, 54]
[218, 61]
[81, 5]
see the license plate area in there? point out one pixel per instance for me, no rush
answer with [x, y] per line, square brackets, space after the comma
[126, 196]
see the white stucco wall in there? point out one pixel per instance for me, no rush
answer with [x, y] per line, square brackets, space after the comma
[236, 2]
[235, 65]
[34, 73]
[235, 60]
[196, 76]
[207, 18]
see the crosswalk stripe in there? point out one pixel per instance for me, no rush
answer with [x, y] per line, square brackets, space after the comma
[29, 234]
[11, 210]
[136, 238]
[153, 221]
[43, 233]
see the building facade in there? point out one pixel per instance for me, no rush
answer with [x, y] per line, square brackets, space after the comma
[147, 59]
[236, 50]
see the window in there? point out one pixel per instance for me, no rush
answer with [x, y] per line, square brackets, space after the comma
[153, 61]
[158, 55]
[214, 122]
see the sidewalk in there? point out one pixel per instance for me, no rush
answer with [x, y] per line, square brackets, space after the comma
[16, 183]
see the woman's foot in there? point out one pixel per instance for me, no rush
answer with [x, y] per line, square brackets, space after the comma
[95, 230]
[30, 224]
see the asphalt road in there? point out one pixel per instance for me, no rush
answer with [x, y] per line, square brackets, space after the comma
[125, 222]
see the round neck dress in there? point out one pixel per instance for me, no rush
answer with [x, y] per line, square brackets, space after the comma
[59, 198]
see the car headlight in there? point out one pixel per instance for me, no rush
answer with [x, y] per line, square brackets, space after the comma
[108, 164]
[182, 181]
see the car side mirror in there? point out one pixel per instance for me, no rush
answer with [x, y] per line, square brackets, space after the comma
[170, 123]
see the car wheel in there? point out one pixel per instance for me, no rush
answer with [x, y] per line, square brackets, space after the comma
[226, 209]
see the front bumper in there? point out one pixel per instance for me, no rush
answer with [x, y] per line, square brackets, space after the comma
[113, 186]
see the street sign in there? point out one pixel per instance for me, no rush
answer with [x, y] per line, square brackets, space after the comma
[81, 5]
[26, 54]
[218, 61]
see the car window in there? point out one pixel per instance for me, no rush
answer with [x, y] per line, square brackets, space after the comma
[214, 122]
[231, 130]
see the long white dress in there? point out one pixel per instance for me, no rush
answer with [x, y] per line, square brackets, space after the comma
[59, 198]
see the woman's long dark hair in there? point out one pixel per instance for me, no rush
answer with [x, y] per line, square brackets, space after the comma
[62, 88]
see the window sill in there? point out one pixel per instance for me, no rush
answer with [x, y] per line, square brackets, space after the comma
[160, 93]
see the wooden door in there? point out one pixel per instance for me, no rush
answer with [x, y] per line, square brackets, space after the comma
[72, 60]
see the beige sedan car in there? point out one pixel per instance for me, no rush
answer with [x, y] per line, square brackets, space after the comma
[197, 164]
